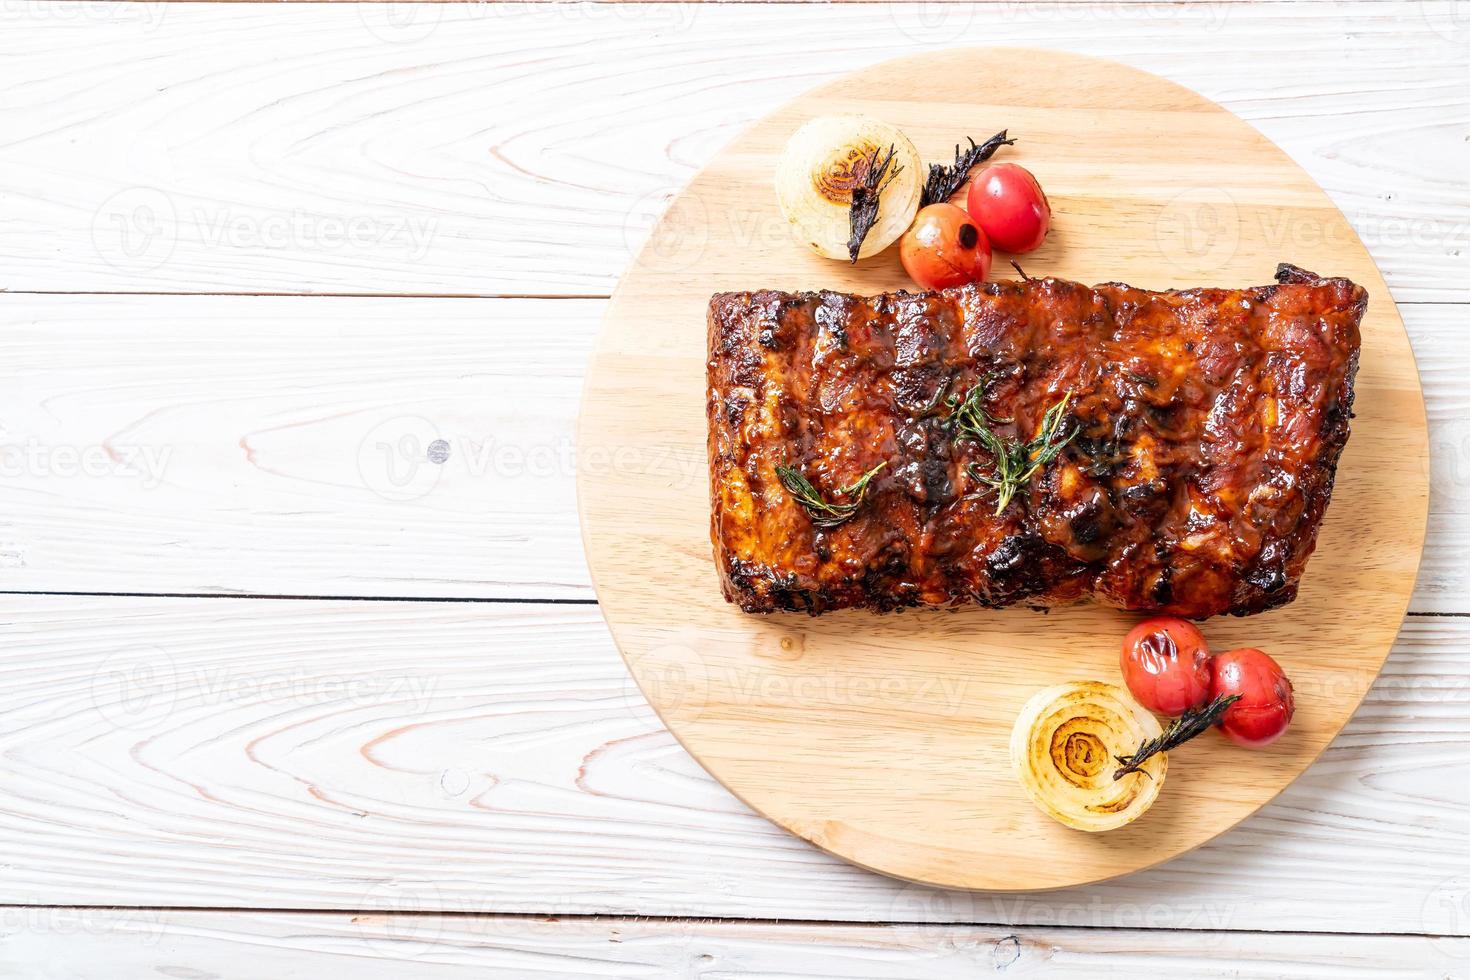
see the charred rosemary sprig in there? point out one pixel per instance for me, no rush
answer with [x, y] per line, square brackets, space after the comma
[944, 181]
[1180, 730]
[825, 513]
[863, 212]
[1014, 462]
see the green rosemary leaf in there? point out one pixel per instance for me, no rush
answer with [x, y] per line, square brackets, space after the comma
[1048, 443]
[825, 513]
[940, 400]
[1013, 462]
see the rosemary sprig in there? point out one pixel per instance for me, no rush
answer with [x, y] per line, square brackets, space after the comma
[825, 513]
[939, 400]
[968, 413]
[1180, 730]
[944, 181]
[1014, 462]
[862, 214]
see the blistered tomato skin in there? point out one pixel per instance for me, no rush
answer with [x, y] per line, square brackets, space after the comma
[1166, 665]
[944, 248]
[1266, 701]
[1010, 207]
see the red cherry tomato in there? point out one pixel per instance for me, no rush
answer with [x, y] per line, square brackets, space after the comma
[1009, 206]
[944, 248]
[1265, 706]
[1166, 665]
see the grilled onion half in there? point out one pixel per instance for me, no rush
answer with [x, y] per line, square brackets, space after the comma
[1065, 749]
[829, 157]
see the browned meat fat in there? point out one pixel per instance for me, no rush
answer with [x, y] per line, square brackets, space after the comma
[1205, 426]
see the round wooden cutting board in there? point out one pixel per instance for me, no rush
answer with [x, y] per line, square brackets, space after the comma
[882, 739]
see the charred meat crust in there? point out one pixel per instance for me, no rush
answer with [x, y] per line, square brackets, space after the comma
[1208, 426]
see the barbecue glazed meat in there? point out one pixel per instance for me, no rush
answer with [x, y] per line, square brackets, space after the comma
[1202, 429]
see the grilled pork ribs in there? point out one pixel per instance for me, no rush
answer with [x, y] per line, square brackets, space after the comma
[1161, 451]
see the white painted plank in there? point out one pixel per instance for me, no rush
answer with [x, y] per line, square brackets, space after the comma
[285, 445]
[1438, 336]
[107, 943]
[501, 149]
[496, 758]
[280, 445]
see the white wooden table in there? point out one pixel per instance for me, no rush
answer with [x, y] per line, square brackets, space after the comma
[299, 661]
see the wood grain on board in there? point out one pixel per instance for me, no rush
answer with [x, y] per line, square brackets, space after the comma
[916, 781]
[497, 758]
[116, 942]
[511, 149]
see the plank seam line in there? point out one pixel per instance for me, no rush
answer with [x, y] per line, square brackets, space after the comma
[490, 600]
[800, 923]
[504, 600]
[787, 3]
[530, 296]
[291, 295]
